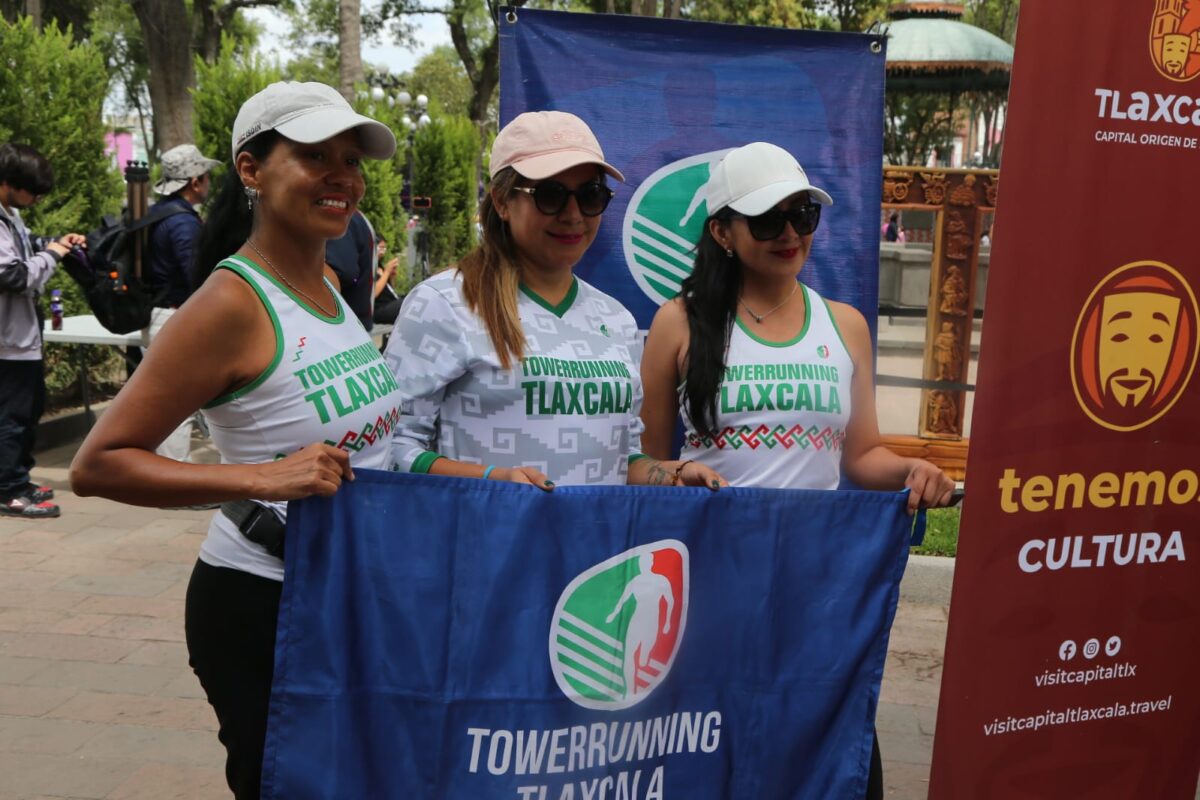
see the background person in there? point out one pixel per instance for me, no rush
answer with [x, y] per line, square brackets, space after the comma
[387, 301]
[352, 258]
[510, 367]
[297, 180]
[26, 265]
[742, 322]
[170, 253]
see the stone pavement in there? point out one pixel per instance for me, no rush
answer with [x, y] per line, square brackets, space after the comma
[97, 700]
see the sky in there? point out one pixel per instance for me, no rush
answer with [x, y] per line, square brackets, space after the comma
[431, 31]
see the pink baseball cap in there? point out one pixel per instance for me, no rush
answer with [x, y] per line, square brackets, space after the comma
[538, 144]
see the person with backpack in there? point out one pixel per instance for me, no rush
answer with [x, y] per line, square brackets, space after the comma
[184, 185]
[26, 265]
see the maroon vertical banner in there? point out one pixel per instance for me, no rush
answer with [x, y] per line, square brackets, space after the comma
[1073, 657]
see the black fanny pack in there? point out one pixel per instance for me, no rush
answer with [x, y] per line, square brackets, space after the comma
[257, 523]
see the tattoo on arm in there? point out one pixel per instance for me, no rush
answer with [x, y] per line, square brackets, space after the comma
[657, 476]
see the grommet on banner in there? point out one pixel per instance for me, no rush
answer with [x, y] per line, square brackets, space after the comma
[511, 18]
[876, 47]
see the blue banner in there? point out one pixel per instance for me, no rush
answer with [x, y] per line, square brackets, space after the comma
[667, 98]
[452, 638]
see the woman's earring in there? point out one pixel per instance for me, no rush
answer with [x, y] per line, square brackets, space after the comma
[251, 196]
[729, 252]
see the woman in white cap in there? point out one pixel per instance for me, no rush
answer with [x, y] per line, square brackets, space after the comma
[754, 357]
[510, 367]
[271, 353]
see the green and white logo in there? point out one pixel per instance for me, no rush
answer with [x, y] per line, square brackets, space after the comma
[663, 223]
[618, 625]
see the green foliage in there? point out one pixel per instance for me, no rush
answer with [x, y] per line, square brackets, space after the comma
[941, 533]
[385, 179]
[51, 93]
[995, 16]
[444, 170]
[221, 88]
[440, 76]
[916, 124]
[775, 13]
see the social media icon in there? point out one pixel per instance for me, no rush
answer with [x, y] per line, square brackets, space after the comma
[1066, 651]
[1091, 648]
[1112, 646]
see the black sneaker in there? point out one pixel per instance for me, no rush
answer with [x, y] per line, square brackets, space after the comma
[39, 494]
[28, 508]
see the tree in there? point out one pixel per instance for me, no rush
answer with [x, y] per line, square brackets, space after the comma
[996, 16]
[445, 154]
[221, 88]
[916, 124]
[440, 75]
[169, 38]
[853, 15]
[49, 99]
[213, 20]
[171, 76]
[350, 67]
[775, 13]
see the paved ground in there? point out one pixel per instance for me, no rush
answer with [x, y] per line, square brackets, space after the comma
[97, 700]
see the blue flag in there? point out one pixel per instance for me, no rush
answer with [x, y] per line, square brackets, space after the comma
[454, 638]
[668, 98]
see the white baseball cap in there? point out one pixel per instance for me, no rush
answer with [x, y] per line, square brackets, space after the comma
[308, 112]
[753, 178]
[538, 144]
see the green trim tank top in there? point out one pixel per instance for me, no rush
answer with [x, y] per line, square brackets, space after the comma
[327, 383]
[782, 407]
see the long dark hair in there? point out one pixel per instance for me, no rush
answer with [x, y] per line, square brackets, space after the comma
[710, 296]
[229, 216]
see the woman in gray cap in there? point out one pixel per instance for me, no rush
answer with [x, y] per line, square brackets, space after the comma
[296, 181]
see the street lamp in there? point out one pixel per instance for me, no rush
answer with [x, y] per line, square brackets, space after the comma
[415, 118]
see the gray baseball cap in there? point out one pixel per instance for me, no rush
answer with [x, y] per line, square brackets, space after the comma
[179, 165]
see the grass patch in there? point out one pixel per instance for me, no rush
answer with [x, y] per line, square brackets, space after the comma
[941, 533]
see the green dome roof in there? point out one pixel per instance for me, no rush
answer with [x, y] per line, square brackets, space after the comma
[929, 48]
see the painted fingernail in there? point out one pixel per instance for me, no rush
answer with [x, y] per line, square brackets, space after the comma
[549, 483]
[716, 484]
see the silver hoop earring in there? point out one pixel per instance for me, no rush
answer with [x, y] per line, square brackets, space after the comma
[729, 252]
[251, 196]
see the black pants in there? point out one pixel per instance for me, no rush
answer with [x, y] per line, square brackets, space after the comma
[230, 623]
[22, 398]
[875, 776]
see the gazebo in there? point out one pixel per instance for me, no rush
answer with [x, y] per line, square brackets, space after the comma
[930, 49]
[934, 62]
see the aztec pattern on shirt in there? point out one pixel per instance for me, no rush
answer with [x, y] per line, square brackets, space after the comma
[782, 407]
[570, 407]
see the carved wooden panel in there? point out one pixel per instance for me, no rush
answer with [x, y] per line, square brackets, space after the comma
[960, 197]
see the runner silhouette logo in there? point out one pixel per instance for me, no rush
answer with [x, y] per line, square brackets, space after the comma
[618, 625]
[663, 223]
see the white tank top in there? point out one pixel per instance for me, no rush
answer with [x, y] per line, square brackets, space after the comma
[327, 383]
[782, 407]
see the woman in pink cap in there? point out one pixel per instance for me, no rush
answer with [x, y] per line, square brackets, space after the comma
[747, 348]
[512, 368]
[248, 348]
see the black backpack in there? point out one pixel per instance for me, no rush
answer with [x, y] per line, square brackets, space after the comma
[105, 271]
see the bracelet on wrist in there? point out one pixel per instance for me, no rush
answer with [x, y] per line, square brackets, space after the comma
[488, 471]
[679, 472]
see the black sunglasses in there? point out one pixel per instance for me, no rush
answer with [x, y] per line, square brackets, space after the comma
[768, 226]
[551, 197]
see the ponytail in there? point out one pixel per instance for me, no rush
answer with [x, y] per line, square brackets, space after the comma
[490, 276]
[230, 217]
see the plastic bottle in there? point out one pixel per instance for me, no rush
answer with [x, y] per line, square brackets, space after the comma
[56, 310]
